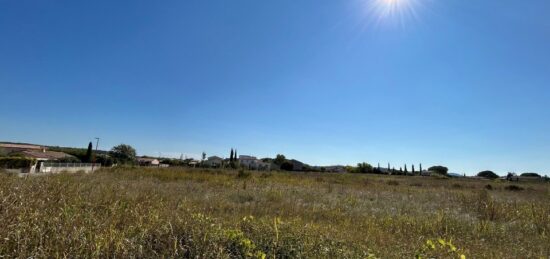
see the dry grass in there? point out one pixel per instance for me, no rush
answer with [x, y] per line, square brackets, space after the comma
[226, 214]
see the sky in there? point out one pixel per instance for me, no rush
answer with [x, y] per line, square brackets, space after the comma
[464, 84]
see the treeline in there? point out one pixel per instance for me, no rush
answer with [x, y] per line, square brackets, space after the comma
[366, 168]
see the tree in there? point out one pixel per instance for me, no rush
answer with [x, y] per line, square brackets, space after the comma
[413, 169]
[487, 174]
[406, 171]
[531, 175]
[203, 156]
[88, 158]
[420, 168]
[439, 169]
[124, 154]
[104, 160]
[287, 166]
[69, 159]
[279, 159]
[389, 167]
[231, 156]
[364, 168]
[235, 157]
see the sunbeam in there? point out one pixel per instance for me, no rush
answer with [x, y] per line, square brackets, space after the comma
[398, 12]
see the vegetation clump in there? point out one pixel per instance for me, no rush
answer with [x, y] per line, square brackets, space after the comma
[487, 174]
[442, 170]
[513, 188]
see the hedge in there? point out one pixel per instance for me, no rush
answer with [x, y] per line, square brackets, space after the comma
[16, 162]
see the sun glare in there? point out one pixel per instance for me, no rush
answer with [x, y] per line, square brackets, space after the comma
[392, 11]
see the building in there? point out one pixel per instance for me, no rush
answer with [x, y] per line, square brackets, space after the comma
[40, 153]
[147, 161]
[253, 163]
[11, 148]
[45, 155]
[214, 161]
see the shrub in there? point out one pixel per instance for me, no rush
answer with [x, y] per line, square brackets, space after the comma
[488, 174]
[514, 188]
[16, 162]
[439, 169]
[287, 166]
[69, 159]
[488, 187]
[531, 175]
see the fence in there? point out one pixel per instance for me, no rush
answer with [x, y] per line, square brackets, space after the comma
[49, 167]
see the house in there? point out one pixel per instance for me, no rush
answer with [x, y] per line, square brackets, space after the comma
[193, 163]
[147, 161]
[10, 148]
[40, 153]
[45, 155]
[214, 161]
[248, 161]
[253, 163]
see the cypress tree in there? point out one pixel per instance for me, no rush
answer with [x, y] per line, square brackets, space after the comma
[236, 157]
[88, 157]
[231, 156]
[413, 169]
[406, 171]
[420, 167]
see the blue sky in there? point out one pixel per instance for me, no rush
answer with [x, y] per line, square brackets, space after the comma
[462, 84]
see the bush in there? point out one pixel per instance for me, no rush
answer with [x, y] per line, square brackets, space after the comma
[531, 175]
[439, 169]
[287, 166]
[69, 159]
[513, 188]
[16, 162]
[488, 174]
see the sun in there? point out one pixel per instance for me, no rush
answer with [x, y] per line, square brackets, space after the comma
[392, 11]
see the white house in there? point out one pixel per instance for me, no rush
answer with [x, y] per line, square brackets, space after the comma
[146, 161]
[214, 161]
[253, 163]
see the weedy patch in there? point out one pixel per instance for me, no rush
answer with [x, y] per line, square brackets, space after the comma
[196, 213]
[513, 188]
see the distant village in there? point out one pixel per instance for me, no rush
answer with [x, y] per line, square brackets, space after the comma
[23, 158]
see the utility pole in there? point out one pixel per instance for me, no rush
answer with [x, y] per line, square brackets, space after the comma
[96, 145]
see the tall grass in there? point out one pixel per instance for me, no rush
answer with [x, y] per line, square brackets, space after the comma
[190, 213]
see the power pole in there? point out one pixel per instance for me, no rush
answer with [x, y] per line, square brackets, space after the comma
[94, 156]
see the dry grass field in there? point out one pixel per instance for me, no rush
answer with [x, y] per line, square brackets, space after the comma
[189, 213]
